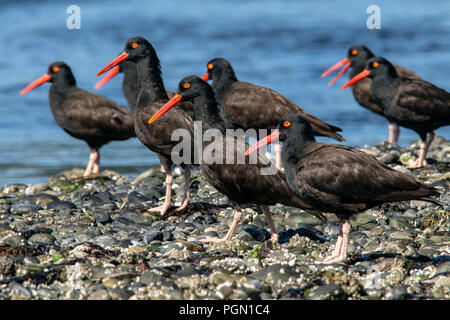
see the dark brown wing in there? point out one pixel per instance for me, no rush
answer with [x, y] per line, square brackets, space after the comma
[422, 103]
[243, 181]
[249, 106]
[403, 72]
[345, 180]
[158, 135]
[87, 115]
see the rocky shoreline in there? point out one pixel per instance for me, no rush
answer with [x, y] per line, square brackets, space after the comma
[96, 239]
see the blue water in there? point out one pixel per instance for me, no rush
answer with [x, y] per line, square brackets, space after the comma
[284, 45]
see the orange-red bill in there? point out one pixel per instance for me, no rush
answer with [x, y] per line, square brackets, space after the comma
[205, 76]
[36, 83]
[356, 78]
[116, 61]
[336, 66]
[169, 104]
[263, 142]
[111, 74]
[340, 74]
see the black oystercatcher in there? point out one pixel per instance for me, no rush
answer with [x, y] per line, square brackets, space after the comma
[82, 114]
[152, 96]
[357, 58]
[130, 85]
[224, 165]
[339, 179]
[245, 105]
[415, 104]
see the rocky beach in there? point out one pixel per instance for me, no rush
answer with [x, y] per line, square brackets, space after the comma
[96, 239]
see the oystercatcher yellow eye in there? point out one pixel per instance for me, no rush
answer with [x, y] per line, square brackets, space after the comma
[210, 66]
[186, 85]
[134, 45]
[375, 64]
[286, 123]
[55, 68]
[354, 52]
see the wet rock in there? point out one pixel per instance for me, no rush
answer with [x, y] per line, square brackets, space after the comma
[327, 292]
[153, 235]
[42, 238]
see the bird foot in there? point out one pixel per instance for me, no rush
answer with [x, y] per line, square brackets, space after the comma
[418, 164]
[182, 207]
[331, 260]
[161, 209]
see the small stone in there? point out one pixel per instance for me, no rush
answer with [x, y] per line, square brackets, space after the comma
[14, 241]
[43, 238]
[153, 235]
[327, 292]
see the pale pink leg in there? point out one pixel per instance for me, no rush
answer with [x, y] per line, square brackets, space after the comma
[96, 168]
[421, 161]
[342, 257]
[273, 229]
[391, 132]
[187, 183]
[236, 219]
[92, 160]
[169, 179]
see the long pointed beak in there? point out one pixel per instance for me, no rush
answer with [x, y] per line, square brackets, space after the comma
[36, 83]
[205, 76]
[111, 74]
[169, 104]
[116, 61]
[263, 142]
[344, 62]
[356, 78]
[340, 74]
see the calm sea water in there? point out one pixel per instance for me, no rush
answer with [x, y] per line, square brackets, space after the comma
[284, 45]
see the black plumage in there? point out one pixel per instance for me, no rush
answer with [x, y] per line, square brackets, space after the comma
[412, 103]
[84, 115]
[357, 58]
[152, 95]
[245, 105]
[339, 179]
[225, 167]
[130, 85]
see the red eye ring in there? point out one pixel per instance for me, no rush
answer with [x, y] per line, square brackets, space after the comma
[186, 85]
[286, 123]
[210, 66]
[354, 52]
[55, 68]
[134, 45]
[375, 64]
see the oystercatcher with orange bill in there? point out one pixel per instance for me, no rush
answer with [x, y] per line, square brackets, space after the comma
[357, 58]
[414, 104]
[82, 114]
[339, 179]
[243, 182]
[130, 85]
[152, 95]
[248, 106]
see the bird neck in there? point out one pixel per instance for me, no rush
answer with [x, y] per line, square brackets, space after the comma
[222, 84]
[384, 89]
[292, 148]
[59, 89]
[206, 110]
[151, 82]
[130, 85]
